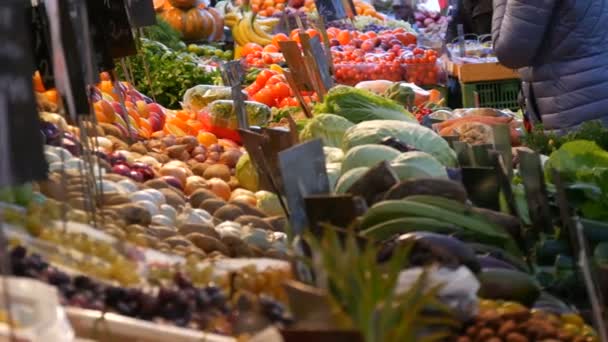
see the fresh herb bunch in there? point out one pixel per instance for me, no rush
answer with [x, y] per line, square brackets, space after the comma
[547, 142]
[171, 72]
[362, 292]
[164, 33]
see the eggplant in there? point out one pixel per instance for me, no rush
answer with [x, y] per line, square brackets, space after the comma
[500, 254]
[446, 250]
[547, 302]
[488, 261]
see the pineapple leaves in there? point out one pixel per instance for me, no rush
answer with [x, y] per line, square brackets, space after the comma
[364, 293]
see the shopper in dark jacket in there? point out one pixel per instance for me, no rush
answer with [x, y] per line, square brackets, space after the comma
[474, 15]
[561, 50]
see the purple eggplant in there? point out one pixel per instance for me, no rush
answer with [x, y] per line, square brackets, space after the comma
[488, 261]
[431, 247]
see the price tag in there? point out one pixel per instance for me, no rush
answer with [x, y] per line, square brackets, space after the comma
[19, 124]
[338, 210]
[41, 42]
[67, 66]
[103, 59]
[141, 13]
[322, 63]
[82, 31]
[304, 174]
[117, 29]
[331, 10]
[297, 65]
[232, 74]
[532, 175]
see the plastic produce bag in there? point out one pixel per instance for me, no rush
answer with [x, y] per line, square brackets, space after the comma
[219, 117]
[458, 291]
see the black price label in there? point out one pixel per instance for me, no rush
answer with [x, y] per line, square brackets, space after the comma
[331, 10]
[141, 13]
[19, 125]
[73, 59]
[102, 56]
[41, 41]
[117, 29]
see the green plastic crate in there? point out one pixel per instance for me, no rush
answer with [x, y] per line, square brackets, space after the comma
[495, 94]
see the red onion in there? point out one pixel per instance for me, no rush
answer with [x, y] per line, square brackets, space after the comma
[136, 176]
[173, 181]
[121, 169]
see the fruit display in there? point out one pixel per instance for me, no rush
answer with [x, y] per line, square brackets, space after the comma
[249, 28]
[156, 208]
[512, 322]
[181, 304]
[271, 88]
[211, 51]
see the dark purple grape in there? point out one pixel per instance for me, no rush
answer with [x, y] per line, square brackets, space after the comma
[57, 278]
[79, 300]
[18, 252]
[83, 282]
[181, 281]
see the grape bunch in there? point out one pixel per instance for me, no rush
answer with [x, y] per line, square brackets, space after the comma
[181, 303]
[375, 28]
[341, 24]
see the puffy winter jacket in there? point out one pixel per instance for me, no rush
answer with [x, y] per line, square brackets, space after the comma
[561, 50]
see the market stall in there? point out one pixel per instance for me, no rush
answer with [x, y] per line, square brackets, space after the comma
[284, 171]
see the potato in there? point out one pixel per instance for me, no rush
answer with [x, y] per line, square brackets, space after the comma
[135, 229]
[176, 151]
[133, 214]
[173, 199]
[205, 229]
[139, 147]
[207, 243]
[156, 184]
[118, 144]
[242, 251]
[78, 203]
[161, 232]
[114, 199]
[217, 171]
[254, 221]
[176, 241]
[199, 196]
[228, 212]
[212, 205]
[278, 223]
[162, 158]
[114, 177]
[248, 209]
[190, 142]
[200, 168]
[145, 240]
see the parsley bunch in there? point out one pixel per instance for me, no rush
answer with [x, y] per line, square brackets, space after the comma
[171, 72]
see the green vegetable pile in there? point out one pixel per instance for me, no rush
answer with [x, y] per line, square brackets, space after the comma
[171, 73]
[585, 165]
[358, 105]
[546, 142]
[164, 33]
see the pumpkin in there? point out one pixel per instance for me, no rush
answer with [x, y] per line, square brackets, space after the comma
[194, 24]
[184, 4]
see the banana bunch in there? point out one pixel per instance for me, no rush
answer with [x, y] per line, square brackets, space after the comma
[429, 213]
[247, 28]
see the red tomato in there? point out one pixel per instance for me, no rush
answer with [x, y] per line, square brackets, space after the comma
[264, 76]
[275, 79]
[253, 89]
[264, 96]
[281, 90]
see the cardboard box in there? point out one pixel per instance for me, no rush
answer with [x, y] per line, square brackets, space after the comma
[469, 73]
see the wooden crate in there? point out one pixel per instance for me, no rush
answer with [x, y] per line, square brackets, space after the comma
[469, 73]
